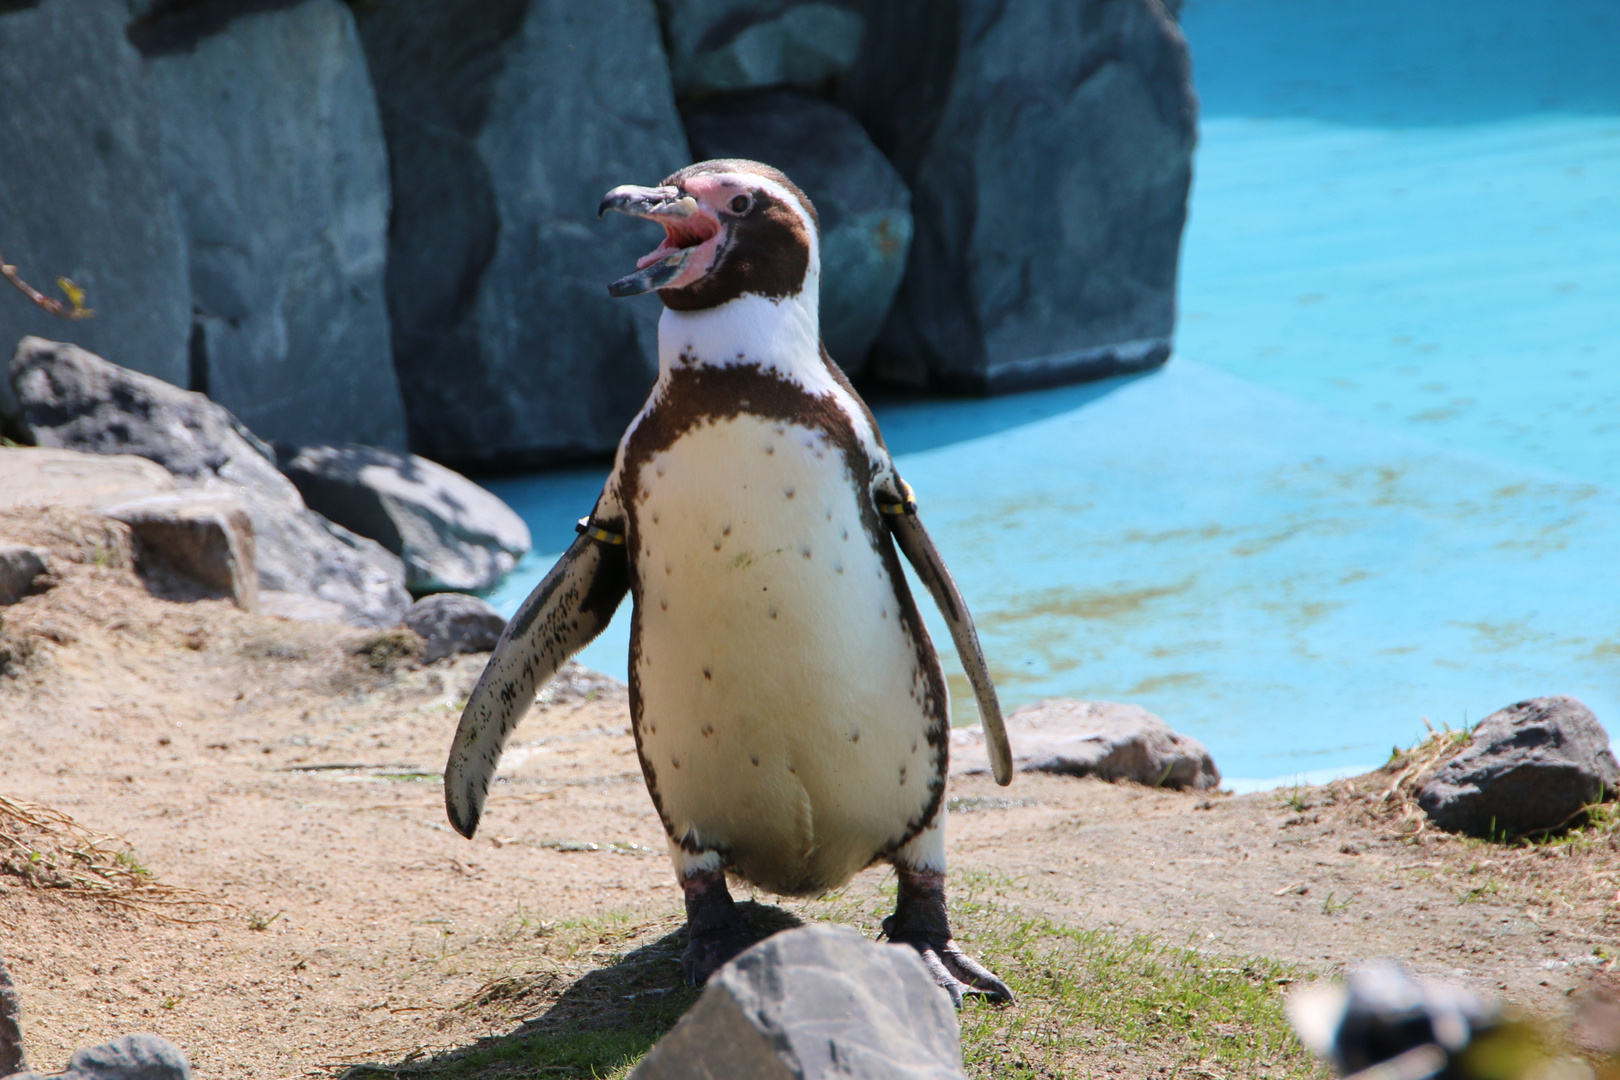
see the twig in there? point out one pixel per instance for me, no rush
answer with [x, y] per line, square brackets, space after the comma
[73, 310]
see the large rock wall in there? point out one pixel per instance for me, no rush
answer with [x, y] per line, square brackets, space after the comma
[506, 123]
[275, 152]
[83, 194]
[1049, 148]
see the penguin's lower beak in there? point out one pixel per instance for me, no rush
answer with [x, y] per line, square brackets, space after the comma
[686, 228]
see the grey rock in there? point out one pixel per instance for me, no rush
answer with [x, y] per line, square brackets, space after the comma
[71, 399]
[41, 477]
[192, 545]
[1530, 766]
[506, 123]
[23, 572]
[818, 1001]
[82, 189]
[452, 534]
[864, 207]
[1048, 147]
[274, 150]
[286, 605]
[1092, 738]
[718, 45]
[133, 1057]
[12, 1058]
[454, 623]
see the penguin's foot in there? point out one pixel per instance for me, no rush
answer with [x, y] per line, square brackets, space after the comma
[919, 920]
[715, 931]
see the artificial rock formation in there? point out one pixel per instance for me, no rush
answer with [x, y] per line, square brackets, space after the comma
[1048, 147]
[1093, 738]
[275, 153]
[723, 45]
[864, 207]
[506, 123]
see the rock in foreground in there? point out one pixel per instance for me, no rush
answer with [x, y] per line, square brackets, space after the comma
[452, 534]
[1531, 766]
[22, 569]
[133, 1057]
[452, 624]
[818, 1001]
[74, 400]
[1093, 738]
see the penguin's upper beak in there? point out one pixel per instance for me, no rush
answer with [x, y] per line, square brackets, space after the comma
[687, 226]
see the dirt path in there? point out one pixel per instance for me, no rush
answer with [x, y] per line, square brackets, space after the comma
[289, 772]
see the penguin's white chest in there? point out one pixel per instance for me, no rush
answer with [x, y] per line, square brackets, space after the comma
[785, 714]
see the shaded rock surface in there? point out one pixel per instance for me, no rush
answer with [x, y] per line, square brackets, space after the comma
[1048, 147]
[72, 399]
[506, 123]
[454, 623]
[1092, 738]
[11, 1046]
[719, 45]
[274, 149]
[864, 207]
[133, 1057]
[23, 572]
[82, 189]
[816, 1001]
[193, 544]
[452, 534]
[1530, 766]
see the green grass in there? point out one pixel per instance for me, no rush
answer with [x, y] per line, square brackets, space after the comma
[1088, 998]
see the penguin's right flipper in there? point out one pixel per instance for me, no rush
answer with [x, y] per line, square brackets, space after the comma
[919, 550]
[571, 605]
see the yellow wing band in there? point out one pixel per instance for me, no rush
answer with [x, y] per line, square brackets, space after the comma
[586, 527]
[906, 505]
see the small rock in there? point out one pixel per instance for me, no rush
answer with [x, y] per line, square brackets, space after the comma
[454, 623]
[71, 399]
[452, 534]
[864, 207]
[1530, 766]
[21, 571]
[818, 1001]
[133, 1057]
[39, 477]
[193, 539]
[1093, 738]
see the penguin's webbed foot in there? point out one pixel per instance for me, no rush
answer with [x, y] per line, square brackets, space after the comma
[715, 930]
[919, 920]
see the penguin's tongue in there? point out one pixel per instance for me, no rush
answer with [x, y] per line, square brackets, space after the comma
[679, 235]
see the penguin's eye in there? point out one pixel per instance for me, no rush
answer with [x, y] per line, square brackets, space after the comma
[740, 204]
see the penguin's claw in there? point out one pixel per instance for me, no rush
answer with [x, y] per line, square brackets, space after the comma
[954, 971]
[715, 930]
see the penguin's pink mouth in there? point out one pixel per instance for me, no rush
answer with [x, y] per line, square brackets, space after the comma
[680, 234]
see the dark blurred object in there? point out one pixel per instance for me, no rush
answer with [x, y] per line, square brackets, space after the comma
[12, 1058]
[23, 572]
[1048, 147]
[1532, 766]
[454, 623]
[863, 204]
[452, 534]
[721, 45]
[1383, 1024]
[82, 189]
[506, 121]
[275, 153]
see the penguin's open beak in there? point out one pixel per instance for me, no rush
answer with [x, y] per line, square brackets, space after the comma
[687, 227]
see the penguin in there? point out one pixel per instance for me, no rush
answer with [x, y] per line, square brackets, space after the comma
[789, 709]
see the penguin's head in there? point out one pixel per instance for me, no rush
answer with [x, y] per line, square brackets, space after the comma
[731, 228]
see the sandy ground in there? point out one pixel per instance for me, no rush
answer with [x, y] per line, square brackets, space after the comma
[286, 775]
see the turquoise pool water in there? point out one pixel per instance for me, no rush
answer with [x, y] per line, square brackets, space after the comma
[1380, 481]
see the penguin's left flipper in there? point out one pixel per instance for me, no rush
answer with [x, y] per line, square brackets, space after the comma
[919, 550]
[572, 604]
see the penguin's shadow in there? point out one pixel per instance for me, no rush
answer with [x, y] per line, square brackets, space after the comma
[602, 1020]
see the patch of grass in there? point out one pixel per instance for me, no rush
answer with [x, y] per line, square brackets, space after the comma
[388, 649]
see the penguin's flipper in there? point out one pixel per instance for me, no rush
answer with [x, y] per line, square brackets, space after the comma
[570, 606]
[919, 550]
